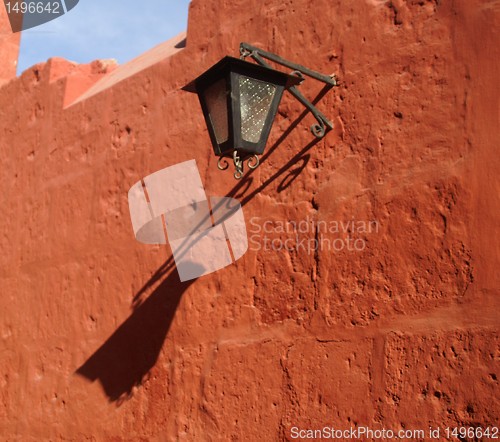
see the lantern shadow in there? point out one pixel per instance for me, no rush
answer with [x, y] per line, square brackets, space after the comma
[128, 355]
[286, 182]
[294, 173]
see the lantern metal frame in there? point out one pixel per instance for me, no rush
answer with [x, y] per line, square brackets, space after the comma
[258, 55]
[235, 147]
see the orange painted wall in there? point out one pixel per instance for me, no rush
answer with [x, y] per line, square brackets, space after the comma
[9, 49]
[99, 340]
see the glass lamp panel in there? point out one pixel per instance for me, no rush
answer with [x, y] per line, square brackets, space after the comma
[256, 98]
[216, 101]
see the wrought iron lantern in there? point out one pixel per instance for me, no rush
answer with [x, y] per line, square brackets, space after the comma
[240, 100]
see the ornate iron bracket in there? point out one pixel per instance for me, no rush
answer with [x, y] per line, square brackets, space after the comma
[258, 55]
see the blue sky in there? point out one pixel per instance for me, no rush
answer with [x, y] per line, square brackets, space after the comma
[120, 29]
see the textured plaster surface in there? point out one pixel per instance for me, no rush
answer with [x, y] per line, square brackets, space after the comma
[99, 340]
[9, 48]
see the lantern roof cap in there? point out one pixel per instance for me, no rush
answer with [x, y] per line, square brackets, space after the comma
[243, 67]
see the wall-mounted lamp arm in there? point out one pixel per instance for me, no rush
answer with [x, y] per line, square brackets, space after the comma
[319, 130]
[258, 55]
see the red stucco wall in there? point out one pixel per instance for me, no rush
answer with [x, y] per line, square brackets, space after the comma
[9, 49]
[101, 341]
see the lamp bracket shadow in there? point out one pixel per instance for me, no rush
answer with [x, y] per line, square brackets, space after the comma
[259, 56]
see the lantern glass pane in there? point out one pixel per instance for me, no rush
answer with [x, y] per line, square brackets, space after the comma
[256, 98]
[216, 100]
